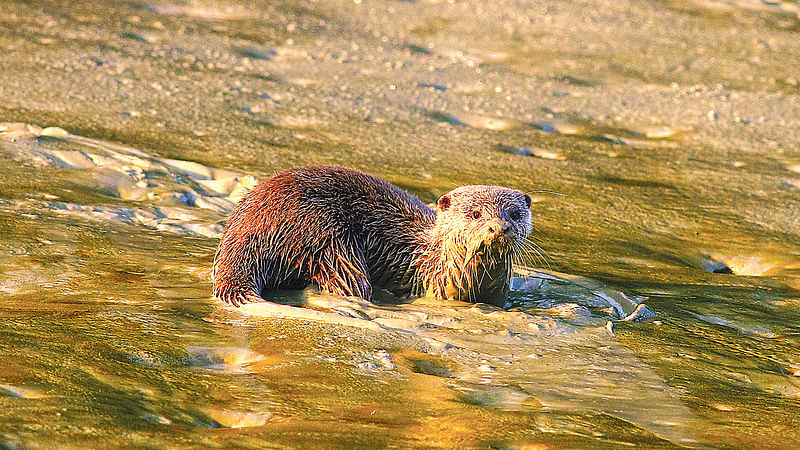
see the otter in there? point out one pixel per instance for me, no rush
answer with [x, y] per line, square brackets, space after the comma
[350, 233]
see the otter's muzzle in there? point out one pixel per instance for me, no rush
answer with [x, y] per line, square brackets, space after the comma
[497, 228]
[494, 238]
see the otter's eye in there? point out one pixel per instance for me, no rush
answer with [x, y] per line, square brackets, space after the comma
[475, 214]
[515, 215]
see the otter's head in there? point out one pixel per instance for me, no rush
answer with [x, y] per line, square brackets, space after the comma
[487, 219]
[479, 231]
[469, 253]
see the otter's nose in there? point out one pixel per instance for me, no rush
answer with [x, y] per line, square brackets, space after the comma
[498, 227]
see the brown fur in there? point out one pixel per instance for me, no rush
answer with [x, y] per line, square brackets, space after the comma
[350, 233]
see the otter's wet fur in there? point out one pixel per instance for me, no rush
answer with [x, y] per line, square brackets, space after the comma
[351, 233]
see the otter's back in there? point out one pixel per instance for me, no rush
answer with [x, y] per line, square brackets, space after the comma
[361, 203]
[302, 221]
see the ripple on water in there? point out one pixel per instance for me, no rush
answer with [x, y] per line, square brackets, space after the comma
[197, 171]
[143, 36]
[791, 183]
[293, 121]
[472, 56]
[24, 281]
[19, 392]
[531, 151]
[428, 364]
[120, 185]
[500, 397]
[203, 12]
[133, 175]
[257, 52]
[658, 131]
[757, 330]
[572, 366]
[220, 186]
[14, 130]
[478, 121]
[67, 159]
[638, 143]
[223, 359]
[564, 127]
[738, 264]
[302, 82]
[56, 132]
[239, 419]
[156, 419]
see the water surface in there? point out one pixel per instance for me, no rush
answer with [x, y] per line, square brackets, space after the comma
[129, 131]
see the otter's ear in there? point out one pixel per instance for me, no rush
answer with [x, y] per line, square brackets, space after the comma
[528, 200]
[443, 203]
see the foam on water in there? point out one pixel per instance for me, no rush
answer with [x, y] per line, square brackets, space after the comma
[172, 192]
[559, 361]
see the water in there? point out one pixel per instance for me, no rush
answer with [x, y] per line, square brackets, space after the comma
[671, 128]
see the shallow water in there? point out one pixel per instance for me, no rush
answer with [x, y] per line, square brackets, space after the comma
[129, 131]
